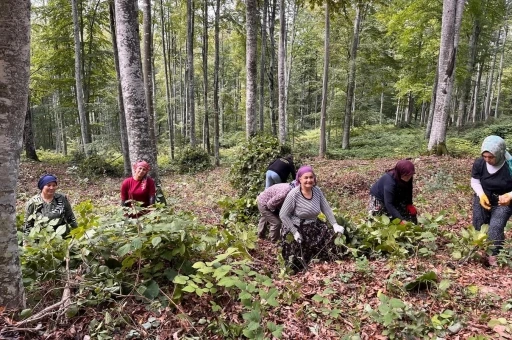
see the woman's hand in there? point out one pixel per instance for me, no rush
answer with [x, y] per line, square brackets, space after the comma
[484, 202]
[504, 199]
[297, 237]
[337, 228]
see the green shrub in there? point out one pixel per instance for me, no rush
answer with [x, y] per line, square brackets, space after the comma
[95, 165]
[192, 160]
[247, 173]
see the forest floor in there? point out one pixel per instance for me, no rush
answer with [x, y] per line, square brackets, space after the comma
[476, 294]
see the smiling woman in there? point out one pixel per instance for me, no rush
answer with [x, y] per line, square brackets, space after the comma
[48, 203]
[140, 187]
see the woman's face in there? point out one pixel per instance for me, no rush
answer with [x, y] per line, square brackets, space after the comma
[307, 180]
[489, 158]
[49, 189]
[406, 178]
[140, 172]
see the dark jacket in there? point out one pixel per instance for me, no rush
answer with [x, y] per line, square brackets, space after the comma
[283, 167]
[392, 193]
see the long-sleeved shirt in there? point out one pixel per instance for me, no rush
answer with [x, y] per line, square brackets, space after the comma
[297, 208]
[274, 196]
[388, 191]
[141, 191]
[490, 179]
[283, 167]
[58, 210]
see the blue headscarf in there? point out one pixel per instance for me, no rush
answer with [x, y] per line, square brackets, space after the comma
[45, 179]
[496, 145]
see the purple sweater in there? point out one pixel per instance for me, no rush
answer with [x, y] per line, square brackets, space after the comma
[273, 197]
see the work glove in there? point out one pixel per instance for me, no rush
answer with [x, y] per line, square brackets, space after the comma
[484, 202]
[337, 228]
[297, 237]
[411, 209]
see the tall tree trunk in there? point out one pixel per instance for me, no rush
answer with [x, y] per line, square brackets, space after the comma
[262, 65]
[84, 124]
[139, 138]
[127, 169]
[165, 53]
[252, 73]
[351, 78]
[381, 106]
[500, 72]
[432, 107]
[289, 62]
[397, 113]
[323, 112]
[206, 135]
[452, 17]
[14, 78]
[272, 67]
[190, 72]
[490, 80]
[216, 85]
[147, 67]
[281, 71]
[28, 136]
[476, 91]
[470, 68]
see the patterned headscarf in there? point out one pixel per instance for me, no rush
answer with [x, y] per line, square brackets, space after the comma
[45, 179]
[302, 170]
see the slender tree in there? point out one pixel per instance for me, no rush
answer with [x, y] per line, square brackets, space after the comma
[84, 123]
[167, 72]
[206, 125]
[14, 77]
[452, 17]
[252, 73]
[323, 114]
[122, 118]
[190, 72]
[216, 85]
[281, 72]
[139, 139]
[28, 136]
[351, 77]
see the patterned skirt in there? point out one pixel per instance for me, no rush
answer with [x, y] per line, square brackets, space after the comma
[317, 243]
[376, 207]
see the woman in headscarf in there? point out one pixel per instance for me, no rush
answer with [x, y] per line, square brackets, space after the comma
[312, 238]
[48, 203]
[391, 195]
[491, 180]
[140, 187]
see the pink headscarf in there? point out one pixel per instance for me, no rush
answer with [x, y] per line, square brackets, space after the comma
[142, 164]
[304, 169]
[402, 168]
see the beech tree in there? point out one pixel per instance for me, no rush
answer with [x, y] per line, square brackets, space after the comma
[137, 120]
[14, 76]
[251, 77]
[452, 17]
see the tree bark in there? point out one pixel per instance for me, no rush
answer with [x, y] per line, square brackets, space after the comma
[351, 78]
[474, 115]
[206, 135]
[216, 85]
[450, 29]
[147, 67]
[190, 72]
[500, 72]
[272, 67]
[490, 80]
[262, 65]
[165, 53]
[84, 124]
[251, 78]
[470, 69]
[325, 82]
[127, 169]
[14, 81]
[281, 71]
[28, 136]
[432, 106]
[139, 138]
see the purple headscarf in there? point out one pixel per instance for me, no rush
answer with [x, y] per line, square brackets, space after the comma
[304, 169]
[402, 168]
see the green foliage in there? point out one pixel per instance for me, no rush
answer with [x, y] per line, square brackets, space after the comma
[243, 210]
[423, 281]
[466, 245]
[94, 165]
[191, 160]
[247, 173]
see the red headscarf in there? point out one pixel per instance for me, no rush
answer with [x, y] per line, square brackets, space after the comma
[402, 168]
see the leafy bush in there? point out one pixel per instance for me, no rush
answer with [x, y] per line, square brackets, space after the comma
[95, 165]
[247, 173]
[192, 160]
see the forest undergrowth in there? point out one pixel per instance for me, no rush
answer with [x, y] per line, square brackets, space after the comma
[196, 270]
